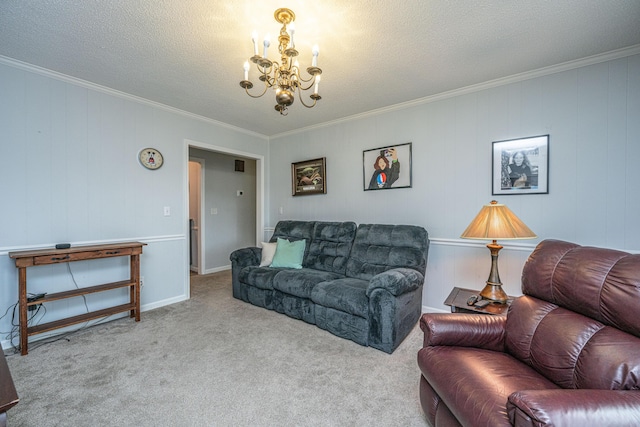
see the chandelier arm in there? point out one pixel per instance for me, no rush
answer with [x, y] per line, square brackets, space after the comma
[302, 101]
[257, 96]
[308, 87]
[310, 79]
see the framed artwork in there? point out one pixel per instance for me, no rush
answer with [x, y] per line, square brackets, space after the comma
[309, 177]
[387, 168]
[521, 166]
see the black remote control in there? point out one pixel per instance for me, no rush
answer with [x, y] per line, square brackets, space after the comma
[482, 304]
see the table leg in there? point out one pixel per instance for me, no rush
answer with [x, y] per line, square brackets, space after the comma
[22, 308]
[135, 290]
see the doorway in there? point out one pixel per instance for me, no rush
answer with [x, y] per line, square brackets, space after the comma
[196, 168]
[218, 198]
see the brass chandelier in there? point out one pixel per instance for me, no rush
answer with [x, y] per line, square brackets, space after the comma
[283, 76]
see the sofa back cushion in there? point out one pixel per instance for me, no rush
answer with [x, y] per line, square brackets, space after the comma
[602, 284]
[573, 325]
[330, 246]
[380, 247]
[294, 231]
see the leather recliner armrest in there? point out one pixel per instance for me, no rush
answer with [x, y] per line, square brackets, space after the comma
[464, 330]
[562, 407]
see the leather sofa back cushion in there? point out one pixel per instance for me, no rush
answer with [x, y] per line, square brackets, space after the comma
[379, 247]
[599, 283]
[330, 246]
[572, 350]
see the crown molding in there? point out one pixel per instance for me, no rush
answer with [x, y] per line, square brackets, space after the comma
[113, 92]
[545, 71]
[528, 75]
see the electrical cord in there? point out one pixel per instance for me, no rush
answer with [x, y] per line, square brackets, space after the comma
[32, 320]
[7, 312]
[84, 297]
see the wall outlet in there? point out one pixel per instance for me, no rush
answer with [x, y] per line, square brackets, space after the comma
[141, 281]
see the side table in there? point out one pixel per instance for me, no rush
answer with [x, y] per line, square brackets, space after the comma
[458, 297]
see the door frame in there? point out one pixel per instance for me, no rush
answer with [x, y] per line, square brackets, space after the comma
[260, 189]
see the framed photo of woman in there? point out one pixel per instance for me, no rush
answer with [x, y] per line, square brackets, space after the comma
[387, 168]
[521, 166]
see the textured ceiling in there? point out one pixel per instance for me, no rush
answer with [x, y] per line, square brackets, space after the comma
[188, 54]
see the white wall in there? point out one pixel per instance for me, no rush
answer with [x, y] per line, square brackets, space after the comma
[592, 114]
[69, 173]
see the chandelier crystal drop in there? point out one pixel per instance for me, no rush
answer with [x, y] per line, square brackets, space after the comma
[283, 76]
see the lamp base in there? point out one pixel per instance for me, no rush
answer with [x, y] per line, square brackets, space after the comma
[494, 292]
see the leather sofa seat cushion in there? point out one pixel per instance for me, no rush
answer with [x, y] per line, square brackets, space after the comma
[301, 282]
[260, 277]
[478, 387]
[347, 295]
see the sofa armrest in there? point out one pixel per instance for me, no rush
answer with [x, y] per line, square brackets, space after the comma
[562, 407]
[245, 257]
[397, 281]
[464, 330]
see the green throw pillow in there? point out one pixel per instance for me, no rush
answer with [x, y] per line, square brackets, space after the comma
[289, 254]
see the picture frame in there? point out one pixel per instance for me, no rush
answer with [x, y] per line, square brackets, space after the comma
[387, 168]
[309, 177]
[521, 166]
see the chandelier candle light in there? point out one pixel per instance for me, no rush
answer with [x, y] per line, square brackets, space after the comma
[283, 76]
[496, 221]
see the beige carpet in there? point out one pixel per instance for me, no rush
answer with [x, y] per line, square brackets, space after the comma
[214, 361]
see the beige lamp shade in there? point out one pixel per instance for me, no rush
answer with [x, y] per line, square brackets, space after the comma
[495, 221]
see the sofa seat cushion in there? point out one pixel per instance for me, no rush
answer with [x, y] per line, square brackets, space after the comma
[477, 389]
[259, 277]
[347, 294]
[300, 282]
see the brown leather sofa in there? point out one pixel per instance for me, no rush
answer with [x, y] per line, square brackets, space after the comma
[566, 354]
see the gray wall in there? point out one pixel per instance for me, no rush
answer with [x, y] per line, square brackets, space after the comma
[234, 225]
[69, 173]
[592, 115]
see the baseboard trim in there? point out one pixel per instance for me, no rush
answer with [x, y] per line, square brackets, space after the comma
[217, 269]
[427, 309]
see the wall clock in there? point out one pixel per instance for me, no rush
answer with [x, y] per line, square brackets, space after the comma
[150, 158]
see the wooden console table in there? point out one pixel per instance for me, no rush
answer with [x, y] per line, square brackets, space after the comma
[34, 258]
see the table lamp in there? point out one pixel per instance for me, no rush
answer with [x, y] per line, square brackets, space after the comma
[495, 221]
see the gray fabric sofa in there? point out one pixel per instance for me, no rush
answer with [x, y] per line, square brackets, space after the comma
[363, 283]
